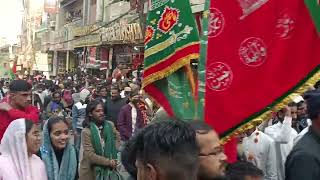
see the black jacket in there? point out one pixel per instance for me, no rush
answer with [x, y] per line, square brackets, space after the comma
[112, 109]
[303, 163]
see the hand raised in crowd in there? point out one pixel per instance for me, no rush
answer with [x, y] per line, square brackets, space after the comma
[287, 111]
[5, 106]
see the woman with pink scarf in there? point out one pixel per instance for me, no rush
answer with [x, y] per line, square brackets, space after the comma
[20, 143]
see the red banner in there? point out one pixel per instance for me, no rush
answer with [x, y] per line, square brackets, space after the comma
[104, 62]
[259, 52]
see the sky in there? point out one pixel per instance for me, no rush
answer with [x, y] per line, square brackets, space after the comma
[10, 19]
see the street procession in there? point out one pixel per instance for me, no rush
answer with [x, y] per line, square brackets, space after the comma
[160, 90]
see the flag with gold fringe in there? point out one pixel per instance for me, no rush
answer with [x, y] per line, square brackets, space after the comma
[255, 55]
[171, 42]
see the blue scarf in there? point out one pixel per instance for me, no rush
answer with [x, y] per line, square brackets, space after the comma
[68, 167]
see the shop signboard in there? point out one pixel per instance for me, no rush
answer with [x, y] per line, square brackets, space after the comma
[122, 33]
[78, 31]
[90, 40]
[124, 58]
[41, 62]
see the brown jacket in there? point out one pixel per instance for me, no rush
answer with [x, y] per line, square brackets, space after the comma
[90, 158]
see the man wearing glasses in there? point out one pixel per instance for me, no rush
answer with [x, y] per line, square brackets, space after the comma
[213, 161]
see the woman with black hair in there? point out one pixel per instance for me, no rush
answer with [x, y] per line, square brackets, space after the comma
[57, 153]
[20, 143]
[100, 139]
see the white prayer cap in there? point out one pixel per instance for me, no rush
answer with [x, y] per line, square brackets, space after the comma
[297, 98]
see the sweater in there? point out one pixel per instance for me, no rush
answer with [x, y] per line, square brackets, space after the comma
[6, 117]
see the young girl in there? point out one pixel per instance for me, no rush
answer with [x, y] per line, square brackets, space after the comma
[57, 153]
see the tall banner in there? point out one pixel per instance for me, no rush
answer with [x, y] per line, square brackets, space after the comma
[171, 42]
[257, 53]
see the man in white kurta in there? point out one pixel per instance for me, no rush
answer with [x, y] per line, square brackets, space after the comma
[259, 149]
[283, 135]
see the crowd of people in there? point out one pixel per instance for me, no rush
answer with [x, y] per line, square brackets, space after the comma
[88, 128]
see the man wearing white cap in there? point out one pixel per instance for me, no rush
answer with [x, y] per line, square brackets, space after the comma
[126, 92]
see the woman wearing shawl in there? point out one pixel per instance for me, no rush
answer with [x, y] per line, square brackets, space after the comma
[20, 143]
[99, 139]
[57, 153]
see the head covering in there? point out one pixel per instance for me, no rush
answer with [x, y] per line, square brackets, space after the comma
[14, 145]
[296, 98]
[128, 89]
[68, 166]
[84, 94]
[134, 93]
[19, 85]
[134, 87]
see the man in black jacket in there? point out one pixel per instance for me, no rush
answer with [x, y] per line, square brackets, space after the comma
[113, 105]
[303, 163]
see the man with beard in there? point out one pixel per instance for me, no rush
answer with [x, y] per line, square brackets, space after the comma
[212, 158]
[303, 118]
[259, 149]
[113, 105]
[130, 117]
[303, 121]
[55, 106]
[303, 161]
[283, 135]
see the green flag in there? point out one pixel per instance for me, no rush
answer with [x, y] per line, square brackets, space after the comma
[171, 42]
[314, 8]
[6, 73]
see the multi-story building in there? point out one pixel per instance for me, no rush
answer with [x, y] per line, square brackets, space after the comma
[94, 34]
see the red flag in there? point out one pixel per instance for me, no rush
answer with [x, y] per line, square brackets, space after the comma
[14, 68]
[259, 52]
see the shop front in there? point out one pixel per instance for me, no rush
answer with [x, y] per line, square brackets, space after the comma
[125, 41]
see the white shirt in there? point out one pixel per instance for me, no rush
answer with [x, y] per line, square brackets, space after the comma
[134, 117]
[283, 135]
[259, 149]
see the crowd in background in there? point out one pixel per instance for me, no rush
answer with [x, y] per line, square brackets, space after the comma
[80, 126]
